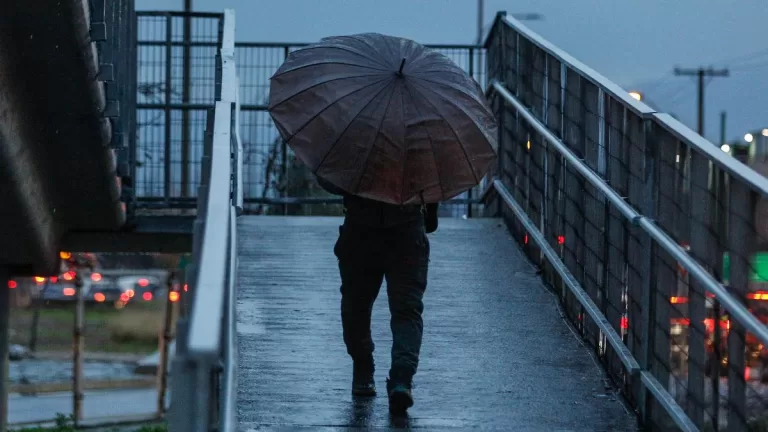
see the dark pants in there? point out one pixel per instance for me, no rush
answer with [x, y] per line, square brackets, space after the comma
[367, 255]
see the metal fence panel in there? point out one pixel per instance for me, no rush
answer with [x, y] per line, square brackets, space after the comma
[657, 227]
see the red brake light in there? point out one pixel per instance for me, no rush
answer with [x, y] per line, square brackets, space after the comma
[69, 292]
[560, 239]
[173, 296]
[95, 277]
[147, 296]
[39, 280]
[759, 295]
[186, 287]
[124, 297]
[678, 300]
[54, 279]
[99, 297]
[68, 276]
[624, 323]
[12, 284]
[143, 282]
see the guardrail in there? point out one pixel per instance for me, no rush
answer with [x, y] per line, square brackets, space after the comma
[647, 232]
[204, 382]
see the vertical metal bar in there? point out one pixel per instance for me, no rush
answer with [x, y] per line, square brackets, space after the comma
[185, 97]
[720, 221]
[649, 210]
[168, 81]
[741, 239]
[164, 342]
[472, 74]
[501, 35]
[701, 248]
[78, 347]
[283, 153]
[5, 310]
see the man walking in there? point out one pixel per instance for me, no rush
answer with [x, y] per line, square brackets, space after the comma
[381, 241]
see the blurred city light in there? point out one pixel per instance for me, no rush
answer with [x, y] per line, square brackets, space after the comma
[749, 138]
[726, 148]
[636, 95]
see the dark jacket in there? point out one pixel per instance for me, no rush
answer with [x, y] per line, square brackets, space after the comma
[378, 214]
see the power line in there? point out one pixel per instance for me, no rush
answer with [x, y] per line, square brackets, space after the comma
[702, 73]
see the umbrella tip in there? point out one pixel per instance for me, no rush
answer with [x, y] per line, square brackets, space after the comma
[402, 64]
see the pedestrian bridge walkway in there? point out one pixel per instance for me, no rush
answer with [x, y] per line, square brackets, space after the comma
[646, 234]
[497, 353]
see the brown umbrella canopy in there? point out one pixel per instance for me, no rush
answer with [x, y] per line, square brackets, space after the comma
[384, 118]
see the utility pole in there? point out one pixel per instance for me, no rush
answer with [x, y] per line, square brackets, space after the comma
[480, 18]
[722, 127]
[185, 96]
[701, 73]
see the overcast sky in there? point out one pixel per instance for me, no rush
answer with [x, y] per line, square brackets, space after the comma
[635, 43]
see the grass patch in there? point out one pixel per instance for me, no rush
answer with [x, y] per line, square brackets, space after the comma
[134, 329]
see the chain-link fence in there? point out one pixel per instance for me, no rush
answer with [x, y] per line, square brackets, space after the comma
[642, 171]
[176, 86]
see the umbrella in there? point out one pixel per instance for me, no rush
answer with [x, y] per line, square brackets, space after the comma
[384, 118]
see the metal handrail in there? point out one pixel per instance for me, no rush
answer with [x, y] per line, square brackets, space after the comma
[205, 367]
[675, 411]
[583, 70]
[739, 312]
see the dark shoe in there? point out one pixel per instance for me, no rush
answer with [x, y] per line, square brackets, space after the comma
[400, 398]
[362, 379]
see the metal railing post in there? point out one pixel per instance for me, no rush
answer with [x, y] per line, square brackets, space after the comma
[5, 311]
[78, 347]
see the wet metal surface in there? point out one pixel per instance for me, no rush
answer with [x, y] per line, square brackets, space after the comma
[496, 353]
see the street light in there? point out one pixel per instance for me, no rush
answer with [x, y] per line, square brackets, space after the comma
[518, 16]
[726, 148]
[765, 132]
[749, 138]
[636, 95]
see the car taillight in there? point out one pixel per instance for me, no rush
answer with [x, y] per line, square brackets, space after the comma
[129, 293]
[678, 300]
[173, 296]
[147, 296]
[39, 280]
[68, 276]
[124, 297]
[69, 292]
[759, 295]
[143, 282]
[12, 284]
[96, 277]
[54, 279]
[186, 287]
[99, 297]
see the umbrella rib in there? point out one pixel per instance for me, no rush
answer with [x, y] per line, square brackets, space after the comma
[277, 104]
[341, 48]
[458, 140]
[475, 97]
[459, 107]
[341, 135]
[328, 106]
[325, 63]
[375, 136]
[431, 143]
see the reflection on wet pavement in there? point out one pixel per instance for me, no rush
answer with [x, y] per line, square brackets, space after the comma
[496, 354]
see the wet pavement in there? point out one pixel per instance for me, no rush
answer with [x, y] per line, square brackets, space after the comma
[49, 371]
[496, 353]
[110, 404]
